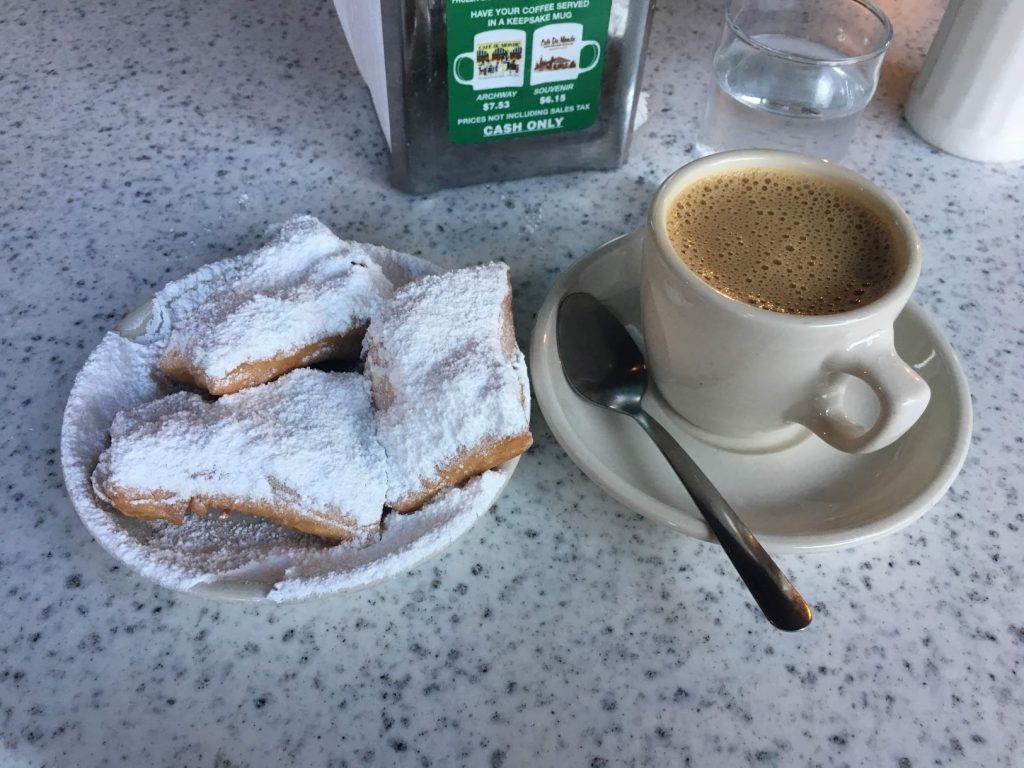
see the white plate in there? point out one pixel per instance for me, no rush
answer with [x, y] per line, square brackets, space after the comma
[808, 497]
[239, 558]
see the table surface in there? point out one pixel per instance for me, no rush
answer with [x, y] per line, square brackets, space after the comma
[140, 140]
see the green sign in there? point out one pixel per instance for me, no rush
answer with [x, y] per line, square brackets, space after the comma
[523, 67]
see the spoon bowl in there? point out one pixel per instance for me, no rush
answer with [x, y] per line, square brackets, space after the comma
[601, 361]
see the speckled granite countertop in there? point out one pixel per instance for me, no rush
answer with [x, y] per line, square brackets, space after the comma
[139, 140]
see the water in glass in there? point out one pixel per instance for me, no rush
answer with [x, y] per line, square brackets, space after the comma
[764, 99]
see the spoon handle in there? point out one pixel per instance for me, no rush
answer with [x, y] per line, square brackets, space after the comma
[778, 599]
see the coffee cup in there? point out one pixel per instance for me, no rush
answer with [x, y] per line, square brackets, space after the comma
[497, 59]
[770, 285]
[556, 53]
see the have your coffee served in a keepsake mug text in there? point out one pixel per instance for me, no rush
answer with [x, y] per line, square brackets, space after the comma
[770, 285]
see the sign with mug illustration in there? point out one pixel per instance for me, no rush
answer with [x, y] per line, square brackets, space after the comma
[556, 53]
[518, 70]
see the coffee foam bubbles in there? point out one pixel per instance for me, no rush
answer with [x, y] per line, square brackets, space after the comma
[784, 241]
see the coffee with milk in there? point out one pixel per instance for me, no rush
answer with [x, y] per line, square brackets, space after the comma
[785, 240]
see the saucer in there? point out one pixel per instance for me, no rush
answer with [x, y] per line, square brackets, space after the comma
[807, 497]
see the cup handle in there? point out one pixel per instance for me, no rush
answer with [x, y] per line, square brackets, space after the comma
[902, 397]
[597, 55]
[455, 68]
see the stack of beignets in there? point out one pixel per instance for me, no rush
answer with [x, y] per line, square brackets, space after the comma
[305, 448]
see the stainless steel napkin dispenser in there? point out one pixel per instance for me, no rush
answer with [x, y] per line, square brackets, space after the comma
[469, 91]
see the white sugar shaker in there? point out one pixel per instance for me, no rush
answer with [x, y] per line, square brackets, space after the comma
[968, 99]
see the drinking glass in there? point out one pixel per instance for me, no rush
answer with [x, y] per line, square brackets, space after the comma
[793, 74]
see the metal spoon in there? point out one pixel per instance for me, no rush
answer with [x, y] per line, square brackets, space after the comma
[603, 365]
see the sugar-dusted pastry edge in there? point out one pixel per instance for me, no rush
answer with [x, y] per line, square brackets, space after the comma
[464, 468]
[163, 505]
[346, 347]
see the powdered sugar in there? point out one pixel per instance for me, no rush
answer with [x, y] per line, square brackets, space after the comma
[214, 541]
[305, 286]
[408, 540]
[239, 557]
[304, 441]
[443, 346]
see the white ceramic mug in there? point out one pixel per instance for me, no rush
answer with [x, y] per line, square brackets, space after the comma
[498, 59]
[556, 53]
[751, 379]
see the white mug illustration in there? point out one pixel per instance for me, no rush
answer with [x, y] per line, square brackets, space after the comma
[556, 53]
[497, 59]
